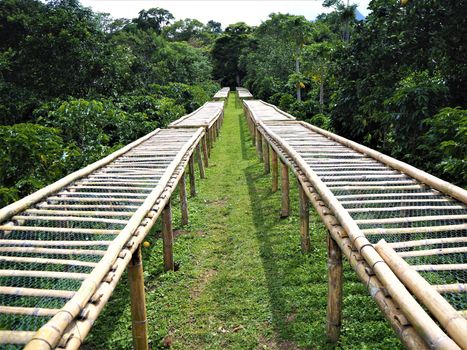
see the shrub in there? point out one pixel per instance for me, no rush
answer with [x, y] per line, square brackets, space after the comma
[32, 156]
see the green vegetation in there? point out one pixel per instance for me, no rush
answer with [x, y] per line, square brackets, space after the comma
[242, 282]
[380, 81]
[76, 85]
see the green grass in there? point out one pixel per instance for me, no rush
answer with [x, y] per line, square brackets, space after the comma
[242, 282]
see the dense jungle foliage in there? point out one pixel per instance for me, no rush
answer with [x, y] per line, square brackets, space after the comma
[76, 85]
[394, 81]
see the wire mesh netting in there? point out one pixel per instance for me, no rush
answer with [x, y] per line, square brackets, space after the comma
[48, 250]
[427, 228]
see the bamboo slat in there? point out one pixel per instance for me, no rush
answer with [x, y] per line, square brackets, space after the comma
[32, 292]
[15, 337]
[31, 311]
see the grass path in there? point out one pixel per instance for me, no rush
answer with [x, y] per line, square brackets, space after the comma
[242, 283]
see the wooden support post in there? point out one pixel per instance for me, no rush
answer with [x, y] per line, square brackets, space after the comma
[191, 167]
[167, 237]
[183, 201]
[275, 171]
[259, 145]
[335, 281]
[285, 203]
[304, 203]
[252, 130]
[205, 150]
[139, 326]
[199, 159]
[209, 141]
[138, 303]
[267, 167]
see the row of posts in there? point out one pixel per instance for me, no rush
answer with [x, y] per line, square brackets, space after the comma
[269, 157]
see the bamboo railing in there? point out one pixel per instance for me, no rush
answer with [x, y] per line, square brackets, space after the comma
[363, 196]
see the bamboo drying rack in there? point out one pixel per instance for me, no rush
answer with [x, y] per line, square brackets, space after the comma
[388, 286]
[154, 177]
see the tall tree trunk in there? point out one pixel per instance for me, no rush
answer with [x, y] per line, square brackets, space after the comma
[297, 70]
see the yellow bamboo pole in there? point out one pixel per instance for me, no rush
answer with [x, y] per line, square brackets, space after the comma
[275, 172]
[285, 199]
[183, 200]
[335, 285]
[304, 204]
[167, 237]
[191, 168]
[267, 166]
[200, 162]
[138, 302]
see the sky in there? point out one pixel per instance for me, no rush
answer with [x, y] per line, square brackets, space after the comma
[253, 12]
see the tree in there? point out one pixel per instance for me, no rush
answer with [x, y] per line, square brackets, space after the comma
[155, 18]
[226, 53]
[214, 27]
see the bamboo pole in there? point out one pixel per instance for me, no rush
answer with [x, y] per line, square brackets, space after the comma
[440, 267]
[139, 326]
[191, 167]
[275, 171]
[259, 145]
[205, 151]
[449, 318]
[15, 337]
[423, 242]
[58, 229]
[200, 162]
[167, 237]
[183, 200]
[304, 204]
[33, 292]
[39, 243]
[430, 252]
[285, 199]
[30, 311]
[410, 219]
[417, 207]
[43, 274]
[404, 230]
[267, 166]
[451, 288]
[335, 285]
[48, 261]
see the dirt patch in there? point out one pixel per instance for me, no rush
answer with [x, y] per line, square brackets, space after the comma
[291, 317]
[221, 202]
[202, 282]
[273, 344]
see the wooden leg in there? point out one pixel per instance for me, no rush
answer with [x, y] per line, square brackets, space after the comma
[167, 237]
[304, 219]
[139, 326]
[285, 204]
[335, 281]
[275, 172]
[199, 159]
[267, 167]
[209, 141]
[252, 131]
[259, 145]
[183, 201]
[205, 151]
[191, 167]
